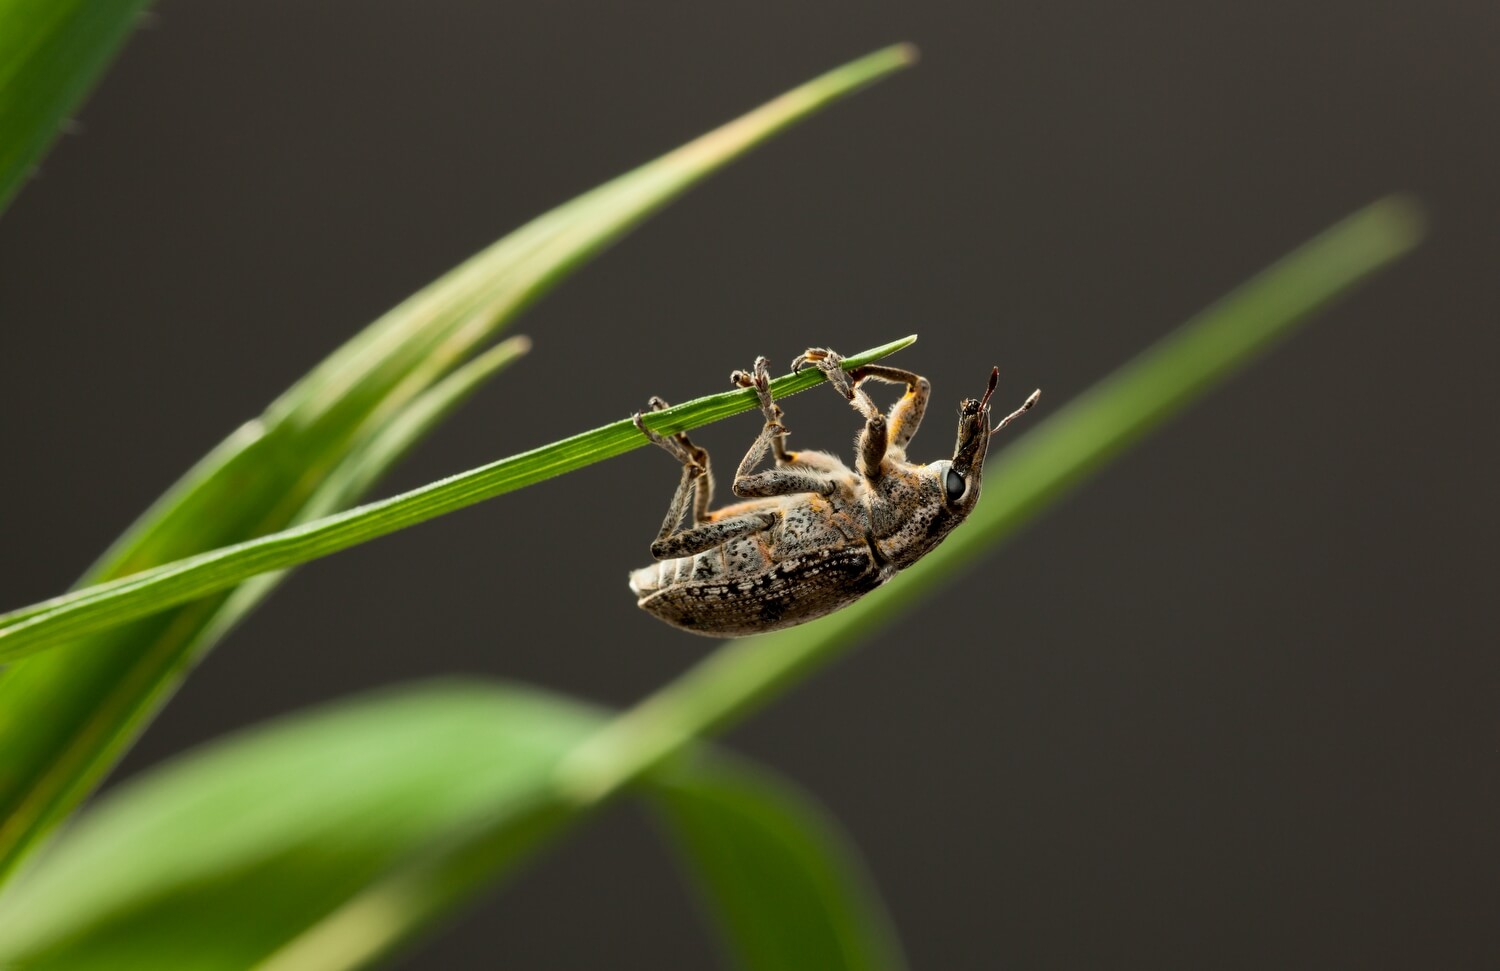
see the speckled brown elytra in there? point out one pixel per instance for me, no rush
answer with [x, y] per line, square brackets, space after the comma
[812, 536]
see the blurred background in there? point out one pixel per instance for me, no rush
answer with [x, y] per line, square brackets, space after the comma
[1232, 704]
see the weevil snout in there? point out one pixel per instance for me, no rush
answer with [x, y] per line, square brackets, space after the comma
[974, 429]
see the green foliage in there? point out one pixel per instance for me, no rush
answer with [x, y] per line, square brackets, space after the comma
[330, 838]
[51, 52]
[374, 819]
[786, 889]
[66, 715]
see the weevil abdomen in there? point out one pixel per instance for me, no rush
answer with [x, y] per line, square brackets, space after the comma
[791, 591]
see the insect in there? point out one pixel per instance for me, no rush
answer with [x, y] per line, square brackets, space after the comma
[812, 535]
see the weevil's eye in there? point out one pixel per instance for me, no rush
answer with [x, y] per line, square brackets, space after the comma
[955, 485]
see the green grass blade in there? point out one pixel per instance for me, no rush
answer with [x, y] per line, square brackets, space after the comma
[57, 621]
[1024, 479]
[222, 857]
[66, 715]
[774, 871]
[51, 53]
[325, 839]
[371, 458]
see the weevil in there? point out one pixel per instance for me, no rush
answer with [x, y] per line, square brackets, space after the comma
[811, 536]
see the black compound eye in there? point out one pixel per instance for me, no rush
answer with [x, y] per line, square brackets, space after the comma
[955, 485]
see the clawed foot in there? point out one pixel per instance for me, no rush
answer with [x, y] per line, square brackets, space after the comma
[760, 380]
[679, 446]
[831, 363]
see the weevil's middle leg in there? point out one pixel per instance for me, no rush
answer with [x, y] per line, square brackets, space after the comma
[787, 477]
[759, 378]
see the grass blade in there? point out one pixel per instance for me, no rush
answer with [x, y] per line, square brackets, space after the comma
[371, 458]
[66, 715]
[51, 53]
[101, 606]
[220, 858]
[324, 840]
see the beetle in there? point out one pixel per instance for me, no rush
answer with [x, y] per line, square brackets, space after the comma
[812, 535]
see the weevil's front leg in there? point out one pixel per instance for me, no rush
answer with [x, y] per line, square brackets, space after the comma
[905, 415]
[872, 438]
[787, 478]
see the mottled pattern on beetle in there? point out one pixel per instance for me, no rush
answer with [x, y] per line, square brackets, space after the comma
[789, 592]
[817, 536]
[908, 516]
[804, 525]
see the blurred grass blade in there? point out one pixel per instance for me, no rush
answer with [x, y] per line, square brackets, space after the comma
[66, 715]
[56, 621]
[223, 856]
[1021, 481]
[326, 839]
[371, 457]
[774, 871]
[51, 53]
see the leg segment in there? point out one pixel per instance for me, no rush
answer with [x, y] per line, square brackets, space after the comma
[872, 438]
[905, 415]
[759, 378]
[785, 479]
[705, 536]
[697, 476]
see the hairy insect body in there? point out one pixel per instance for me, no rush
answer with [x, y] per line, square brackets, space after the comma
[814, 535]
[811, 559]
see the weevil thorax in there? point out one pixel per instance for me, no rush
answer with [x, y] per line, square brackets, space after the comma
[917, 506]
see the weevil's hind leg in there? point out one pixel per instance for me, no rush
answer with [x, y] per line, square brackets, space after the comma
[906, 414]
[705, 536]
[872, 438]
[697, 477]
[682, 448]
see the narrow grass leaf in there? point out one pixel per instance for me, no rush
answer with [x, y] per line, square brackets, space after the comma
[66, 715]
[94, 608]
[51, 53]
[372, 457]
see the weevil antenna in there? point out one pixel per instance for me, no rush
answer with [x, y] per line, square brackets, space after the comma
[1026, 406]
[994, 380]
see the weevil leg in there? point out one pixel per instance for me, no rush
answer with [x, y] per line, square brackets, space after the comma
[872, 438]
[697, 476]
[759, 378]
[786, 478]
[906, 414]
[682, 448]
[705, 536]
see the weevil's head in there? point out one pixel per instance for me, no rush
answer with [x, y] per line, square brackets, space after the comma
[965, 472]
[920, 511]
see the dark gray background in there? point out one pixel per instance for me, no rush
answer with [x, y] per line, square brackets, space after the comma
[1234, 704]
